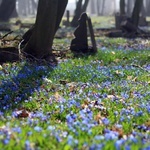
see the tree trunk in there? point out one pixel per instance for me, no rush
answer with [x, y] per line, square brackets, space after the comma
[48, 18]
[7, 7]
[136, 12]
[74, 22]
[103, 7]
[85, 6]
[147, 7]
[79, 10]
[98, 7]
[122, 7]
[129, 7]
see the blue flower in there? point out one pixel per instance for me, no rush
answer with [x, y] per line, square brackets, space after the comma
[28, 145]
[127, 147]
[118, 144]
[6, 141]
[96, 147]
[105, 121]
[38, 129]
[148, 109]
[72, 141]
[111, 135]
[99, 137]
[147, 148]
[17, 129]
[138, 114]
[51, 128]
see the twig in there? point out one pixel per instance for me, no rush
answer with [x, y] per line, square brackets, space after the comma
[15, 38]
[6, 34]
[134, 65]
[9, 53]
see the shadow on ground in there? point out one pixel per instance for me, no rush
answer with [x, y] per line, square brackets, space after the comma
[18, 85]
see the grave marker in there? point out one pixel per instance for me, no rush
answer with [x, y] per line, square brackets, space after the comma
[80, 42]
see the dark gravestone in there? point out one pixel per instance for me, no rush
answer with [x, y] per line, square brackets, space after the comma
[80, 42]
[94, 47]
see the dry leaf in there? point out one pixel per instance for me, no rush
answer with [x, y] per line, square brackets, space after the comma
[135, 79]
[119, 130]
[22, 113]
[129, 77]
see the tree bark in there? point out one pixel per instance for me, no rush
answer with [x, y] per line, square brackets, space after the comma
[79, 10]
[122, 7]
[147, 7]
[136, 12]
[98, 7]
[48, 18]
[129, 7]
[103, 6]
[85, 5]
[7, 7]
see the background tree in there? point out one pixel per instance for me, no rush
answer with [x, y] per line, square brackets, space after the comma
[136, 12]
[80, 8]
[7, 8]
[130, 5]
[27, 7]
[122, 7]
[147, 7]
[49, 15]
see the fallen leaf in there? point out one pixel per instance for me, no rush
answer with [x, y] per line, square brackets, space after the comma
[129, 77]
[22, 113]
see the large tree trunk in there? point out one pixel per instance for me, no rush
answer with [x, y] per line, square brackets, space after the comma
[7, 7]
[79, 10]
[136, 12]
[48, 18]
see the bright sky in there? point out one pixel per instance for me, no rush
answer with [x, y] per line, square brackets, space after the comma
[71, 4]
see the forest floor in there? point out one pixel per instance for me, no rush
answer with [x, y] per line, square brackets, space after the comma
[86, 102]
